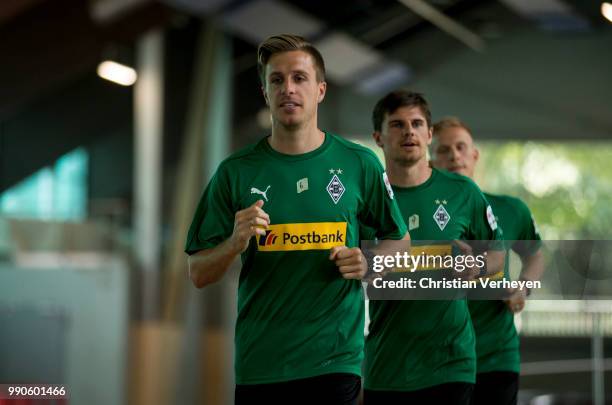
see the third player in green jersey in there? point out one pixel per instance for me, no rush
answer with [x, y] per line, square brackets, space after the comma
[497, 342]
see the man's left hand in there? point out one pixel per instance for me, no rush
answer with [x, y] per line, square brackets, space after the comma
[516, 301]
[351, 262]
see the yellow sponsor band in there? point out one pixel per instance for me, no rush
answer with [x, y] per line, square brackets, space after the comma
[439, 257]
[432, 257]
[303, 236]
[497, 276]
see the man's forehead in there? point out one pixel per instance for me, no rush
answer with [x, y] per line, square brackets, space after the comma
[454, 135]
[290, 61]
[289, 70]
[409, 111]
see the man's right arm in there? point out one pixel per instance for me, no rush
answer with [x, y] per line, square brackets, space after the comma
[529, 248]
[209, 265]
[533, 268]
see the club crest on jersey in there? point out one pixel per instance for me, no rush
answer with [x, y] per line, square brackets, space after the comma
[442, 217]
[491, 218]
[335, 188]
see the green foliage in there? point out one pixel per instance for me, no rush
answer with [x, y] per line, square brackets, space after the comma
[567, 186]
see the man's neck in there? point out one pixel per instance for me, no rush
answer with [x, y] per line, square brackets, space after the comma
[296, 141]
[408, 176]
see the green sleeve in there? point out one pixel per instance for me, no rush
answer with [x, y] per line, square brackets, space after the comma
[484, 226]
[379, 210]
[213, 221]
[529, 236]
[366, 233]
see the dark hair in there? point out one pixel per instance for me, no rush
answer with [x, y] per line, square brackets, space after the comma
[286, 43]
[396, 99]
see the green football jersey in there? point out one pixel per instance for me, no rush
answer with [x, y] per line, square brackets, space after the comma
[297, 316]
[497, 343]
[413, 345]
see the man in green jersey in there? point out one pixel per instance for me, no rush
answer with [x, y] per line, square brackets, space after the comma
[291, 206]
[423, 351]
[497, 343]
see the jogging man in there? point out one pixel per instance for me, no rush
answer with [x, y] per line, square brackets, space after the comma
[423, 351]
[497, 343]
[291, 207]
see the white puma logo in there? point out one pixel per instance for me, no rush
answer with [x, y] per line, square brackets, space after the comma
[255, 190]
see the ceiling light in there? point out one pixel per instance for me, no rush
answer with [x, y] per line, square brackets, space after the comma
[117, 73]
[606, 11]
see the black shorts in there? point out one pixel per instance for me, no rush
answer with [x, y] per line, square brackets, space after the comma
[455, 393]
[328, 389]
[496, 387]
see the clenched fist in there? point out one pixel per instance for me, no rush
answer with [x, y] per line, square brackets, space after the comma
[351, 262]
[249, 222]
[516, 301]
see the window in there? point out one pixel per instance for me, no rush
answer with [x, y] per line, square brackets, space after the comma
[58, 192]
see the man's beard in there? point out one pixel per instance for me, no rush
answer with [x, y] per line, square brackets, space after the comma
[407, 162]
[290, 126]
[293, 126]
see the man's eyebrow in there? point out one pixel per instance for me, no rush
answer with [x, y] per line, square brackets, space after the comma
[299, 71]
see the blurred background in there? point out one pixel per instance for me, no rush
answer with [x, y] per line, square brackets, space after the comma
[115, 113]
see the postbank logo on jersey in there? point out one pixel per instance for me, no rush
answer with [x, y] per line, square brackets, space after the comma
[302, 236]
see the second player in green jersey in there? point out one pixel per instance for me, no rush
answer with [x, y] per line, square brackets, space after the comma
[424, 350]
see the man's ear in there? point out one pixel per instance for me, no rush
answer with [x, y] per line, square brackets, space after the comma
[322, 90]
[377, 135]
[265, 95]
[476, 154]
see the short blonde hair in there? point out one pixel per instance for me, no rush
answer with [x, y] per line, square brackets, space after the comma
[450, 122]
[445, 123]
